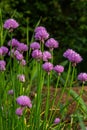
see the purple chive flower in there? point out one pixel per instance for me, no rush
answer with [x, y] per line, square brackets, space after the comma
[18, 55]
[14, 43]
[4, 50]
[59, 69]
[46, 56]
[23, 62]
[75, 58]
[57, 120]
[37, 54]
[82, 77]
[11, 24]
[24, 101]
[11, 92]
[52, 43]
[72, 56]
[39, 28]
[68, 52]
[41, 34]
[21, 77]
[19, 111]
[2, 65]
[47, 66]
[22, 47]
[35, 45]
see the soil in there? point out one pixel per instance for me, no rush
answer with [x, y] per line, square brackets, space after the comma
[71, 106]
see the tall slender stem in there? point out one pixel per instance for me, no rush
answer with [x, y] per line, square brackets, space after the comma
[55, 94]
[81, 92]
[71, 83]
[47, 103]
[63, 90]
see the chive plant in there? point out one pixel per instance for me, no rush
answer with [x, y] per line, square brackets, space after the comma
[27, 68]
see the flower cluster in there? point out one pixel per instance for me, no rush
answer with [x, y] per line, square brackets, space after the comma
[51, 43]
[2, 65]
[46, 56]
[42, 40]
[3, 50]
[17, 50]
[82, 77]
[35, 45]
[23, 101]
[47, 66]
[59, 69]
[11, 92]
[57, 120]
[22, 47]
[18, 55]
[38, 53]
[14, 43]
[19, 111]
[11, 24]
[72, 56]
[21, 77]
[41, 34]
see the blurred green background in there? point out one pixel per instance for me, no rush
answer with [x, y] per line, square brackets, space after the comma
[65, 20]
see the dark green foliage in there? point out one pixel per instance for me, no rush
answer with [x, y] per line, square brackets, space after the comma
[65, 20]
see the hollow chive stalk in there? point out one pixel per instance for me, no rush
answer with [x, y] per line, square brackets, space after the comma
[63, 90]
[37, 117]
[47, 104]
[55, 94]
[80, 95]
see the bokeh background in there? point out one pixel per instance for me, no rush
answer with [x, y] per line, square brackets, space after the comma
[65, 20]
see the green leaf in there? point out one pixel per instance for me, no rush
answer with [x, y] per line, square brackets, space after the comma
[83, 127]
[79, 99]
